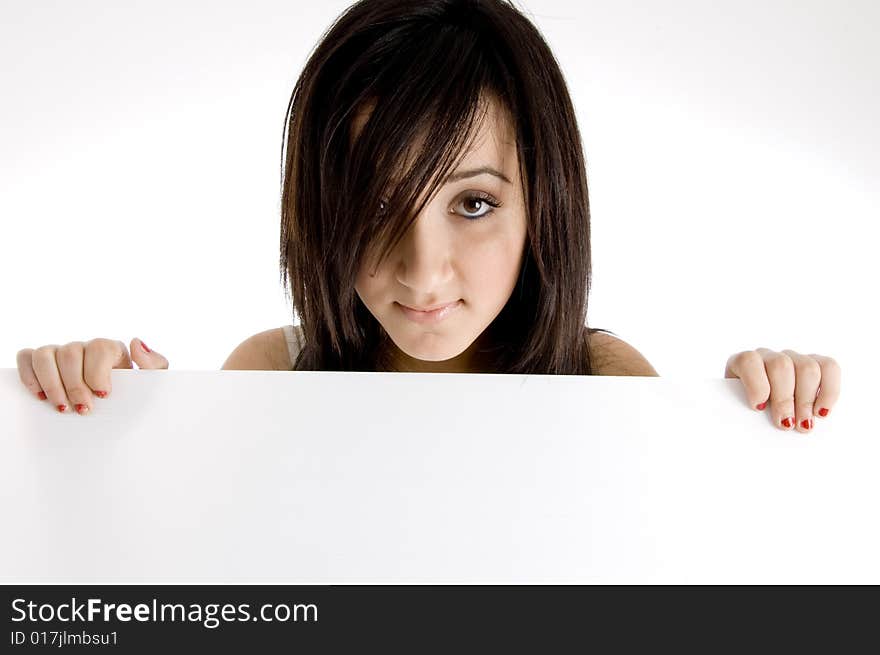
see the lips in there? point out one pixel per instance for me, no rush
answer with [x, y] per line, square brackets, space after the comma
[431, 308]
[435, 315]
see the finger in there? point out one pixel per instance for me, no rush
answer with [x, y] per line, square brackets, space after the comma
[145, 357]
[23, 360]
[101, 356]
[69, 358]
[806, 386]
[46, 370]
[829, 387]
[748, 366]
[780, 372]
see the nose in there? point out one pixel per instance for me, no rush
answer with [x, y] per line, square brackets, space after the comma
[425, 264]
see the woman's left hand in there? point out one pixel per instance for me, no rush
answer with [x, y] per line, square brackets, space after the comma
[790, 382]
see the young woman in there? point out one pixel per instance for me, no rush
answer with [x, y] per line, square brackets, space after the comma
[435, 217]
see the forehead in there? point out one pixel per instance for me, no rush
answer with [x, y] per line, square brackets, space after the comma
[493, 145]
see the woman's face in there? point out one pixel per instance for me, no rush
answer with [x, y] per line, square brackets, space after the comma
[459, 250]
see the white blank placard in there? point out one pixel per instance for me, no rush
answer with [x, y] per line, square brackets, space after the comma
[334, 478]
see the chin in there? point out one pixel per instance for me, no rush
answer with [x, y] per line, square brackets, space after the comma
[430, 355]
[428, 348]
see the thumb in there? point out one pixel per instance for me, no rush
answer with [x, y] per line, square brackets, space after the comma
[145, 357]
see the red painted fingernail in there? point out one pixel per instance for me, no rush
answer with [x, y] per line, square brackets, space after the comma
[823, 412]
[807, 424]
[762, 405]
[61, 408]
[144, 346]
[786, 422]
[101, 394]
[82, 409]
[42, 395]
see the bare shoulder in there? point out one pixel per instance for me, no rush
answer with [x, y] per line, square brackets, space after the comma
[613, 356]
[264, 351]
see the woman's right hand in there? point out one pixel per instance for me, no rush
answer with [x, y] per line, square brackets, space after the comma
[69, 375]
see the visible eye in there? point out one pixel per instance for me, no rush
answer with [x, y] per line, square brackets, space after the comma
[480, 199]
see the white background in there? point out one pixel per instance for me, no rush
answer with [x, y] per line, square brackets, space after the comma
[732, 152]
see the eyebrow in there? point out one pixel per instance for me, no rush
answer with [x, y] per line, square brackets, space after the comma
[482, 170]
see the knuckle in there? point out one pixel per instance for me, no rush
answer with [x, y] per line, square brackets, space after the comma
[24, 354]
[747, 359]
[779, 364]
[69, 353]
[43, 352]
[782, 403]
[102, 344]
[809, 369]
[23, 360]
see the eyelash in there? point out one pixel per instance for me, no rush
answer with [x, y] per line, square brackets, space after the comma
[480, 195]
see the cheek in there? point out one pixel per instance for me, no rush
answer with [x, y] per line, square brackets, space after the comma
[373, 285]
[492, 267]
[366, 286]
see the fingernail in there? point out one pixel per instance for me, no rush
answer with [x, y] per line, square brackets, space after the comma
[144, 346]
[61, 408]
[762, 405]
[807, 424]
[82, 409]
[101, 394]
[42, 395]
[823, 412]
[787, 422]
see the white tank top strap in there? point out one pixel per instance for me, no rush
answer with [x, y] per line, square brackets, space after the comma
[294, 336]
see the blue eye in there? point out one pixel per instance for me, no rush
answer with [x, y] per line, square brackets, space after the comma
[483, 199]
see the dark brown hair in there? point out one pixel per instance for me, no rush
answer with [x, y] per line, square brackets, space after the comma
[425, 66]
